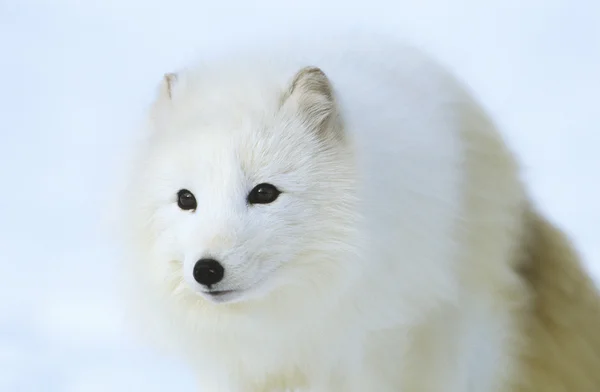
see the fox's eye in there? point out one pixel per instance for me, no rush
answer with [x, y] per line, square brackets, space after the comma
[263, 194]
[186, 200]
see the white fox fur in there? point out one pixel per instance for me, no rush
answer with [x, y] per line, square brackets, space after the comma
[403, 253]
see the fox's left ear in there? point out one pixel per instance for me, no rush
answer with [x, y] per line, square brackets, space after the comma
[311, 95]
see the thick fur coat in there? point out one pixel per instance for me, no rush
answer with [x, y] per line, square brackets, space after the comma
[401, 254]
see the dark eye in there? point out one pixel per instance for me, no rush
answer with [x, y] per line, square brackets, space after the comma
[186, 200]
[263, 194]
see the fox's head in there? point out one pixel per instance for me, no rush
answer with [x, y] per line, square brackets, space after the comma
[245, 187]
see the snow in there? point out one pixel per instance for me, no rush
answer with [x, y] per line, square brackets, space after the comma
[76, 77]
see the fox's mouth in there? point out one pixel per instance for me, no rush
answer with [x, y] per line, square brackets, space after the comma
[222, 296]
[217, 293]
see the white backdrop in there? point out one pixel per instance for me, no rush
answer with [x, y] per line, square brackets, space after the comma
[75, 77]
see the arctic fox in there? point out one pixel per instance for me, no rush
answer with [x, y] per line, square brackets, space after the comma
[340, 215]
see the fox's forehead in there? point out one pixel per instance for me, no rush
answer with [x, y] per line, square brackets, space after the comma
[238, 123]
[255, 148]
[220, 100]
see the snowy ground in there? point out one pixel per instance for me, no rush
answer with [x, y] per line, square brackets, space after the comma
[76, 76]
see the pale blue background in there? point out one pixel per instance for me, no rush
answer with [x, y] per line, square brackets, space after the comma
[75, 77]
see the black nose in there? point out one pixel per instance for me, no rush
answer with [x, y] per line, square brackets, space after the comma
[208, 272]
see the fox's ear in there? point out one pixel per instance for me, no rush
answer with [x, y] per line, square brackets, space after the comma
[168, 84]
[163, 100]
[311, 94]
[166, 88]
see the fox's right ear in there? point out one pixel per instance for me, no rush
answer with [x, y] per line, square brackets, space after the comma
[166, 88]
[163, 100]
[168, 84]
